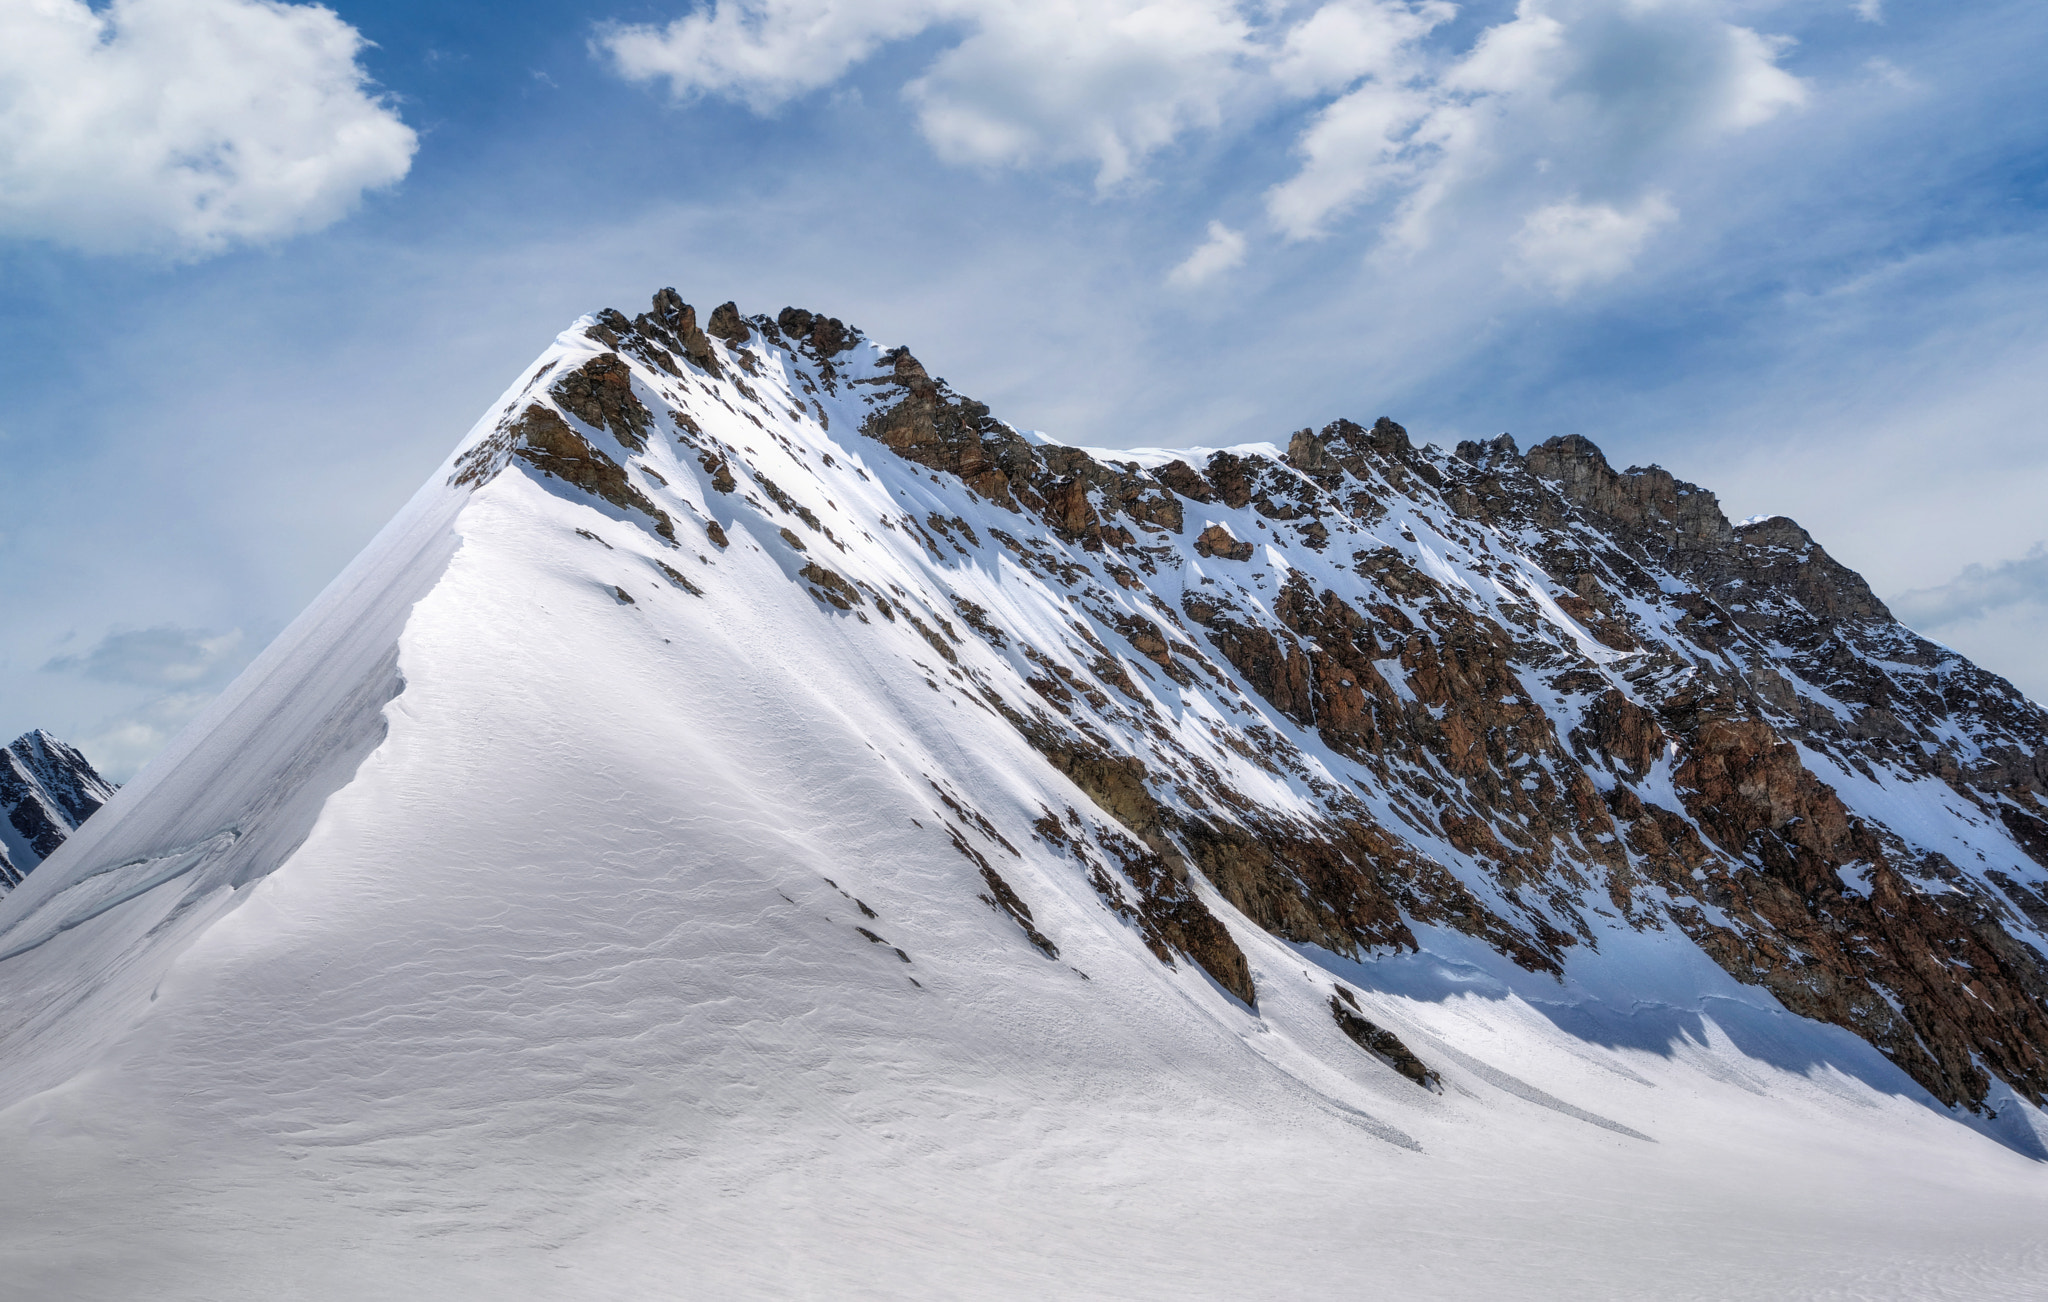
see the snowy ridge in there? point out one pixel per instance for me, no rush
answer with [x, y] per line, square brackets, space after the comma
[756, 826]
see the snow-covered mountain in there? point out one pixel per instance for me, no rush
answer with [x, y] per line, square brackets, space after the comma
[46, 790]
[757, 825]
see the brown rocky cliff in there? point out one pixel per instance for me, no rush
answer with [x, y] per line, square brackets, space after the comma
[1526, 697]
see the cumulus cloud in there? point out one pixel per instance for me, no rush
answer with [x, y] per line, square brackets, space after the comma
[1568, 245]
[185, 126]
[1349, 39]
[1593, 93]
[1029, 82]
[165, 656]
[1559, 115]
[763, 53]
[1106, 82]
[1221, 252]
[1978, 591]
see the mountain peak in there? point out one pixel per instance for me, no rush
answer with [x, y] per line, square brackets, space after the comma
[47, 788]
[1327, 623]
[749, 752]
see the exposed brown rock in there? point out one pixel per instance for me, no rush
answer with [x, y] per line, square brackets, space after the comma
[1963, 982]
[833, 587]
[937, 429]
[1216, 540]
[1173, 917]
[1735, 643]
[726, 323]
[1306, 452]
[1184, 479]
[826, 335]
[600, 394]
[720, 471]
[676, 576]
[1001, 896]
[544, 441]
[675, 323]
[1231, 475]
[786, 502]
[1623, 731]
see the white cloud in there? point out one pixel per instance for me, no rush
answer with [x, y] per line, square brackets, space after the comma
[1595, 95]
[183, 126]
[1349, 39]
[1566, 246]
[1355, 150]
[1106, 82]
[1870, 11]
[1891, 74]
[1221, 252]
[764, 53]
[1029, 82]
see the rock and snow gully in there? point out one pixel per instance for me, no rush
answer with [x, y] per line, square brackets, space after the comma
[757, 824]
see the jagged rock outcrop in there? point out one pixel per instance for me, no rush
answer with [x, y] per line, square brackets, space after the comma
[47, 788]
[1380, 1042]
[1372, 688]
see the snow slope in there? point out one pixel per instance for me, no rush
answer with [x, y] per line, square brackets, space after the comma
[497, 936]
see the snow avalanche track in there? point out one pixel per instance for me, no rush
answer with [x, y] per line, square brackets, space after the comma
[499, 937]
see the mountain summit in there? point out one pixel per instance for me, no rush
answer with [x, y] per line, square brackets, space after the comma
[758, 824]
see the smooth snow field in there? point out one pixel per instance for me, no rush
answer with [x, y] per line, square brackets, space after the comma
[498, 939]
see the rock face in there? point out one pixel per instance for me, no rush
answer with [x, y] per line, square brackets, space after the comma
[1372, 688]
[46, 790]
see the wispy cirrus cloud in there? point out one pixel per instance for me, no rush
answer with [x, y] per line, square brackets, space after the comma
[166, 656]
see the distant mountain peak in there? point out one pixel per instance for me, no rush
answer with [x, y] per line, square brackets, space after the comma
[47, 788]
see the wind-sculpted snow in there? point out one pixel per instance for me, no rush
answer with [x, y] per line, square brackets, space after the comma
[759, 826]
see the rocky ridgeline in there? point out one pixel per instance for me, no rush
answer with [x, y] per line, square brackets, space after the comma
[46, 790]
[1365, 686]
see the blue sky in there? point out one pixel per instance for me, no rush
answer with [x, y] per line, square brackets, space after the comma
[261, 264]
